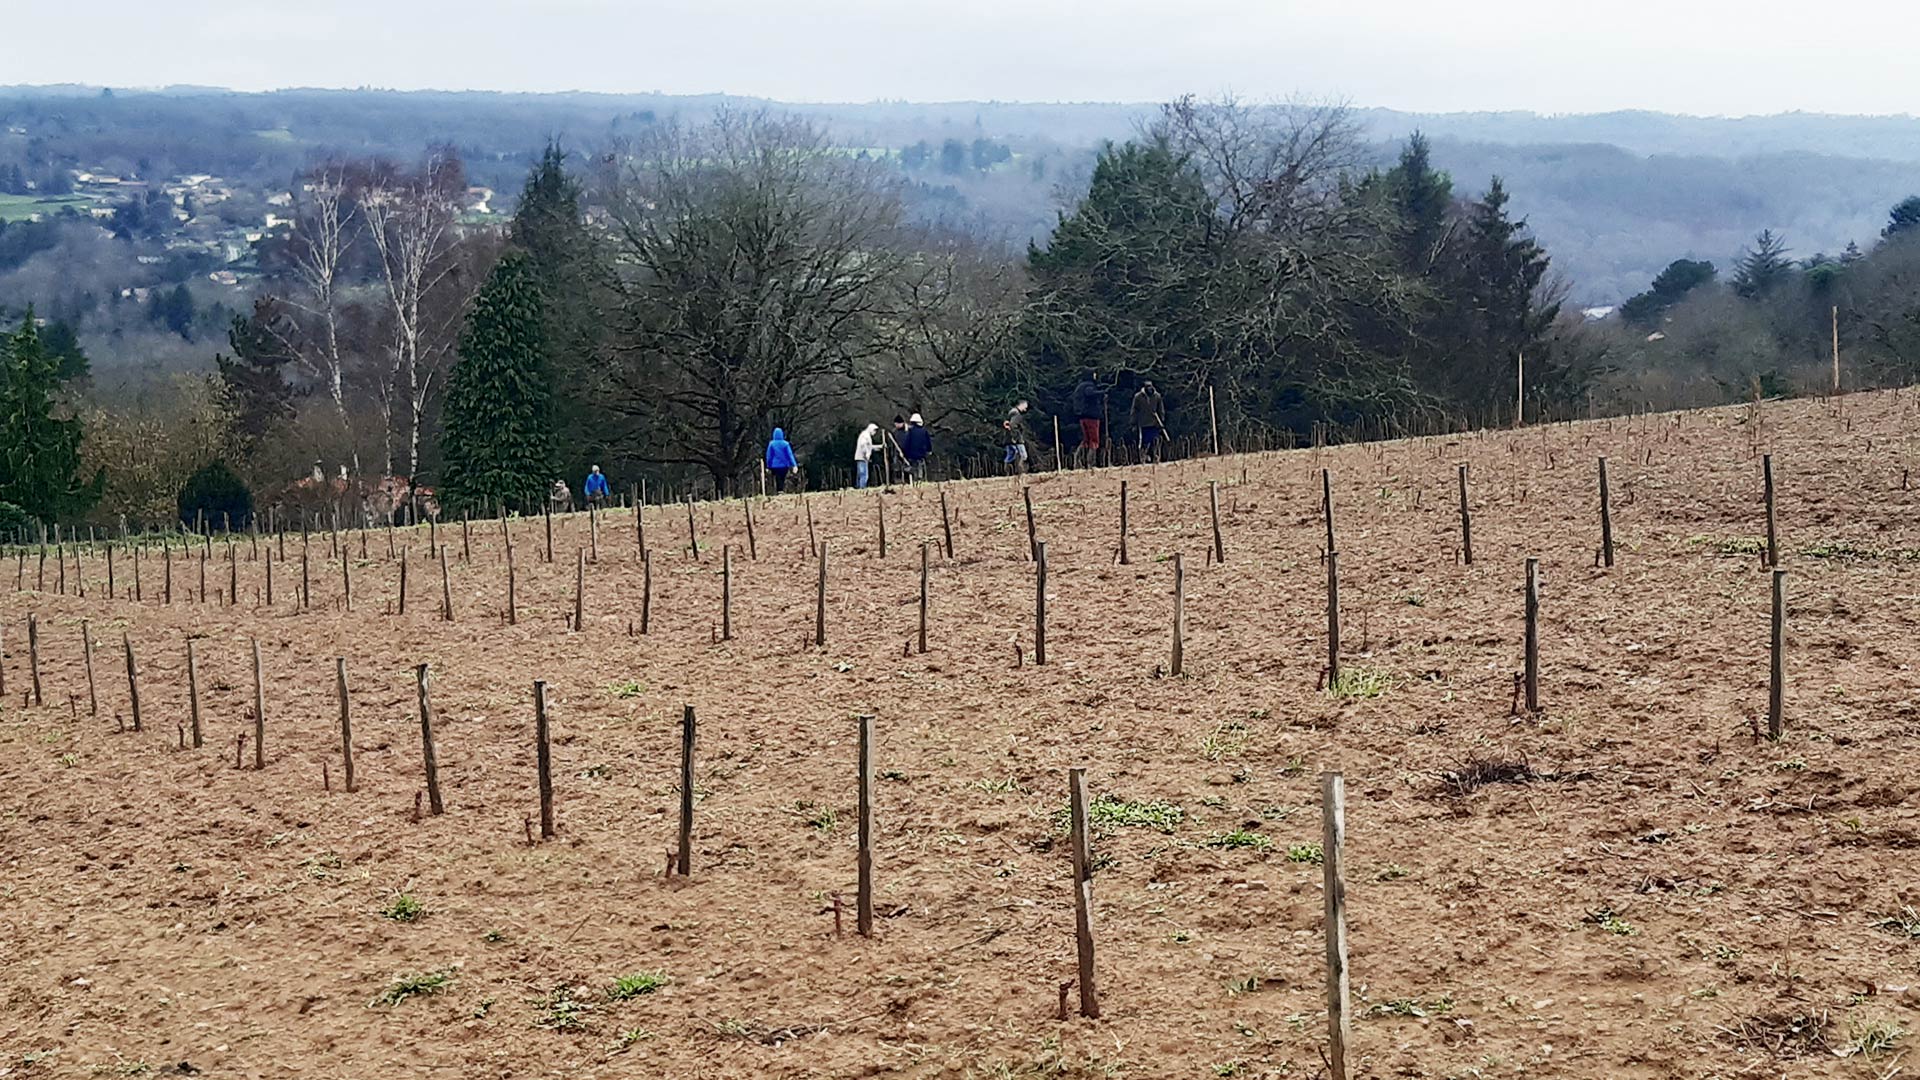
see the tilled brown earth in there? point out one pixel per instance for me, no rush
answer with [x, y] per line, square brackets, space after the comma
[1629, 884]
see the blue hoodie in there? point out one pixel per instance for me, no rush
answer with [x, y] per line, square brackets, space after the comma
[779, 451]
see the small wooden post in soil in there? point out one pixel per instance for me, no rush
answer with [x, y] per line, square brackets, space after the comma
[646, 591]
[193, 694]
[166, 559]
[306, 593]
[946, 527]
[267, 564]
[820, 603]
[880, 516]
[513, 608]
[546, 515]
[1333, 813]
[346, 581]
[1533, 635]
[1040, 602]
[1082, 891]
[639, 522]
[233, 576]
[86, 649]
[133, 680]
[1056, 444]
[1773, 541]
[1326, 505]
[1333, 618]
[726, 592]
[1177, 661]
[923, 596]
[543, 757]
[1026, 494]
[446, 589]
[1213, 421]
[1777, 671]
[33, 654]
[1213, 507]
[753, 546]
[466, 538]
[346, 716]
[683, 858]
[259, 711]
[136, 573]
[1466, 521]
[112, 594]
[426, 742]
[402, 600]
[863, 909]
[1606, 517]
[813, 545]
[693, 535]
[579, 590]
[593, 532]
[1123, 523]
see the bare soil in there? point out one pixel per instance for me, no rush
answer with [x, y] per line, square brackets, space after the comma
[1630, 883]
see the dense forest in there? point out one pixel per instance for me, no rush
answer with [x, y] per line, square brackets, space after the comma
[234, 290]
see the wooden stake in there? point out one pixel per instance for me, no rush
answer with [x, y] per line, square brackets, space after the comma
[1533, 635]
[33, 654]
[1773, 535]
[112, 594]
[346, 581]
[1213, 421]
[267, 563]
[820, 602]
[1606, 517]
[1082, 891]
[166, 558]
[1056, 444]
[446, 589]
[1213, 506]
[1836, 348]
[86, 648]
[259, 711]
[306, 594]
[1026, 494]
[863, 911]
[1777, 674]
[1040, 602]
[346, 717]
[426, 743]
[193, 693]
[1333, 618]
[726, 592]
[693, 536]
[403, 581]
[1326, 505]
[946, 527]
[579, 589]
[1123, 523]
[513, 610]
[543, 758]
[1176, 663]
[1466, 521]
[646, 590]
[133, 680]
[813, 545]
[593, 531]
[684, 860]
[639, 522]
[923, 596]
[466, 538]
[1333, 814]
[233, 576]
[546, 514]
[753, 547]
[880, 516]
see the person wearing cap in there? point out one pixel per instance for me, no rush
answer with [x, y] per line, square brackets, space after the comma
[1149, 419]
[917, 445]
[596, 487]
[863, 449]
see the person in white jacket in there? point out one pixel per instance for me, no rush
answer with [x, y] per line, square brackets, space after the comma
[863, 454]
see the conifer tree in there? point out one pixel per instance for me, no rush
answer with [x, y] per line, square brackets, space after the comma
[562, 257]
[39, 448]
[497, 441]
[1764, 267]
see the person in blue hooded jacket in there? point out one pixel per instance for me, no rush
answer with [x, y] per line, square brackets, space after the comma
[779, 459]
[596, 487]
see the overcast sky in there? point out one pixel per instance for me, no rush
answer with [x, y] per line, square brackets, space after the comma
[1712, 57]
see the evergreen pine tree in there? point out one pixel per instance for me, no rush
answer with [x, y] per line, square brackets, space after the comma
[1504, 269]
[254, 375]
[561, 256]
[1764, 267]
[1422, 196]
[39, 449]
[497, 441]
[1904, 216]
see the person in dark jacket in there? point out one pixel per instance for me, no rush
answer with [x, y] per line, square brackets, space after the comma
[779, 459]
[1149, 419]
[917, 445]
[1089, 402]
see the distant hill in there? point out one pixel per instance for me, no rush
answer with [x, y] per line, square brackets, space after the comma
[1613, 196]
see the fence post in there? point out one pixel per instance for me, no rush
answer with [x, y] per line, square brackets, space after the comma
[863, 918]
[1082, 892]
[426, 743]
[1773, 542]
[1177, 661]
[1777, 672]
[1533, 635]
[133, 680]
[1333, 811]
[346, 716]
[193, 693]
[259, 711]
[1606, 517]
[1466, 521]
[684, 859]
[1040, 602]
[543, 757]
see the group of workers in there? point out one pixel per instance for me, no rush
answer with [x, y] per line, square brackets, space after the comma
[909, 445]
